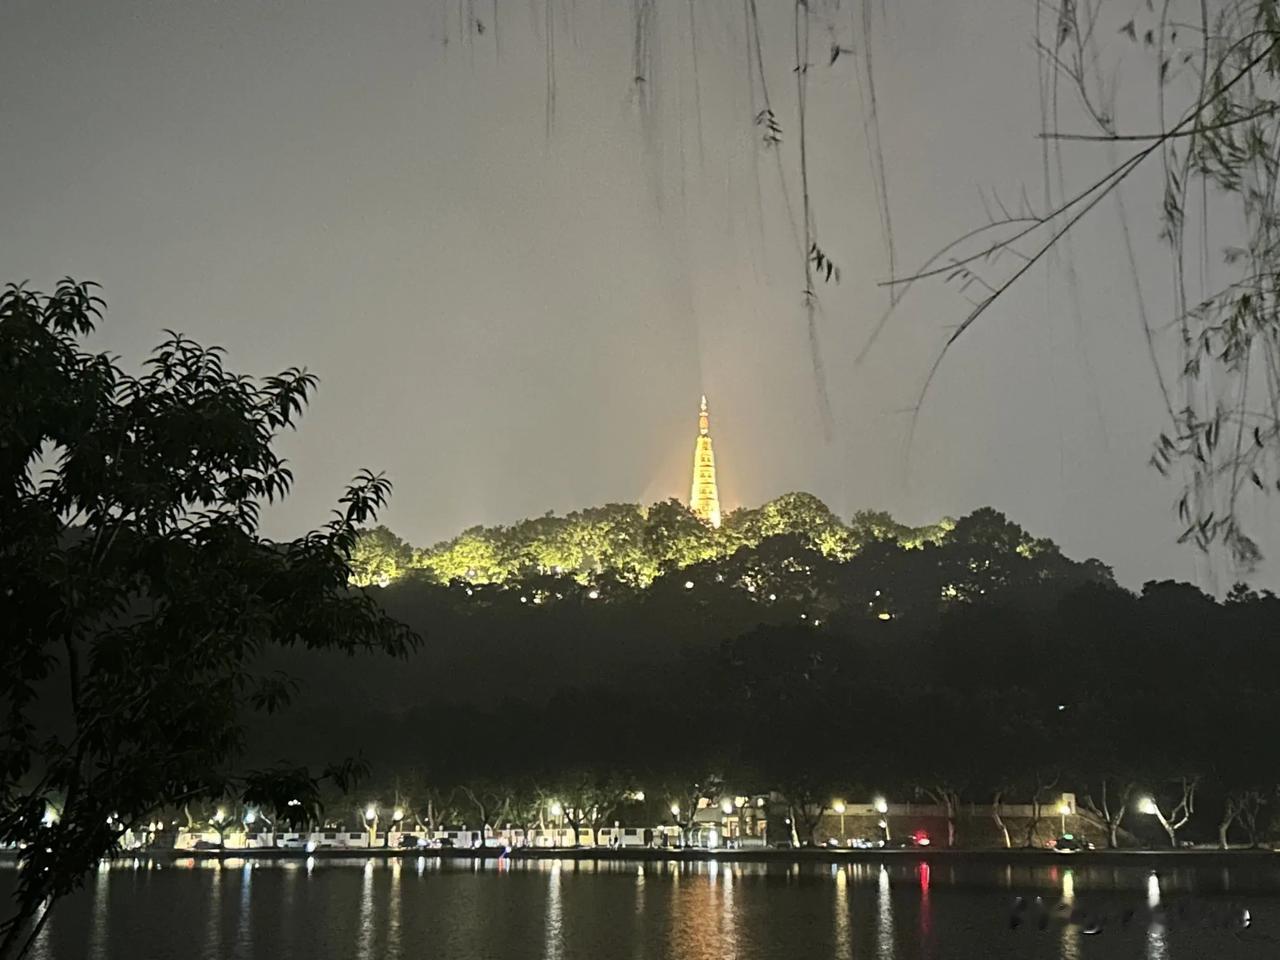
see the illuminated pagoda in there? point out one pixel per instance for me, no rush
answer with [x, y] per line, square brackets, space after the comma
[704, 499]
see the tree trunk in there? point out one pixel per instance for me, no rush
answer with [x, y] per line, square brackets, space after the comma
[1228, 817]
[1029, 839]
[1112, 829]
[997, 807]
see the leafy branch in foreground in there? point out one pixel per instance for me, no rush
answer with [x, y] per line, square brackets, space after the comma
[138, 593]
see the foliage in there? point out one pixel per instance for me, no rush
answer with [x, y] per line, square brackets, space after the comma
[138, 594]
[379, 557]
[626, 543]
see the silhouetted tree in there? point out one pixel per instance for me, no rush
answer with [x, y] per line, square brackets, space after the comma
[138, 593]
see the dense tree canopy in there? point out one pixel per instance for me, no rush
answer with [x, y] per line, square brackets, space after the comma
[1018, 689]
[626, 542]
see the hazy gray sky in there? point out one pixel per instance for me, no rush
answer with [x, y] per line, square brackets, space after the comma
[510, 324]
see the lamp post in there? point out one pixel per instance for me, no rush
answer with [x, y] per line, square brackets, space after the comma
[839, 808]
[882, 808]
[557, 811]
[371, 822]
[1063, 810]
[219, 823]
[396, 816]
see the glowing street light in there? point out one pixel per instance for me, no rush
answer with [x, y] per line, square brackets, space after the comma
[397, 815]
[882, 807]
[1063, 809]
[675, 810]
[50, 815]
[557, 811]
[1148, 806]
[839, 808]
[727, 806]
[371, 813]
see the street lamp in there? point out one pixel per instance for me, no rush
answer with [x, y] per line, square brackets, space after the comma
[1063, 810]
[882, 807]
[839, 808]
[1148, 806]
[557, 811]
[727, 806]
[397, 814]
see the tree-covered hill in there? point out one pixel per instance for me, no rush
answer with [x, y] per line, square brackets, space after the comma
[658, 601]
[634, 545]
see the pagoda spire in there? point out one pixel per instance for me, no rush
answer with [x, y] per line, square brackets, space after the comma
[704, 498]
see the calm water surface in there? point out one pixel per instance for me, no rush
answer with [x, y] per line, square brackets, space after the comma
[563, 910]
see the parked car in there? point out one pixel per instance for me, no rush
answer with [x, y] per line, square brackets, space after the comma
[1070, 843]
[911, 840]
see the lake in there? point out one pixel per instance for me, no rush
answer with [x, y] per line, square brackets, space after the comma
[902, 909]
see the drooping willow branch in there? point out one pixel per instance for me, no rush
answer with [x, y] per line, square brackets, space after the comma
[1208, 128]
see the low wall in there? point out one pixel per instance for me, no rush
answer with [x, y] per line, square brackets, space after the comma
[972, 830]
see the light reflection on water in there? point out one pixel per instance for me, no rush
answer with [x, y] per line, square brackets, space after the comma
[554, 945]
[364, 949]
[101, 902]
[213, 926]
[1157, 947]
[567, 909]
[840, 913]
[1070, 931]
[884, 916]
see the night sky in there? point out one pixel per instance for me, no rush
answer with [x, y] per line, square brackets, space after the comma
[509, 323]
